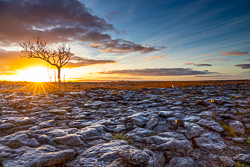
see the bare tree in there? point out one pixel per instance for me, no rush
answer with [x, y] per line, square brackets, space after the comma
[57, 56]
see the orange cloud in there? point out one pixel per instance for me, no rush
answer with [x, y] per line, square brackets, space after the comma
[209, 55]
[206, 60]
[155, 57]
[234, 53]
[223, 60]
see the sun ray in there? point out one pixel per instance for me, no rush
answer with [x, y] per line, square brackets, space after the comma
[33, 94]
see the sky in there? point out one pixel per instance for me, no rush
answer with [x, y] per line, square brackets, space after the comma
[136, 40]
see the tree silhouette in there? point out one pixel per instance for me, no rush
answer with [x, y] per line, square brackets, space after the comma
[57, 56]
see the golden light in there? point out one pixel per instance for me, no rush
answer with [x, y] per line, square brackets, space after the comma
[35, 74]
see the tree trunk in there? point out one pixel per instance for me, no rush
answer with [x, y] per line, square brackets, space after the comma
[59, 79]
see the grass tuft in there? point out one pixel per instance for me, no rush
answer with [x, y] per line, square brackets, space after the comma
[228, 129]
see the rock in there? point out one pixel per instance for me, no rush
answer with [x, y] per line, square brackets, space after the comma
[70, 140]
[171, 143]
[156, 158]
[20, 140]
[92, 132]
[211, 125]
[6, 126]
[47, 124]
[238, 127]
[181, 161]
[165, 113]
[193, 130]
[140, 120]
[141, 132]
[135, 156]
[243, 158]
[211, 142]
[151, 123]
[100, 155]
[120, 128]
[226, 160]
[42, 156]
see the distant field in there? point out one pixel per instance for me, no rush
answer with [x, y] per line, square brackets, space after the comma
[6, 86]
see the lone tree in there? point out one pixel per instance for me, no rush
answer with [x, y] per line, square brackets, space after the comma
[57, 56]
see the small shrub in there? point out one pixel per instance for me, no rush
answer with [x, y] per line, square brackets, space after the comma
[228, 129]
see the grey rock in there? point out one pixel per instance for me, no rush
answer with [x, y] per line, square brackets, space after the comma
[135, 156]
[211, 142]
[70, 140]
[156, 158]
[151, 123]
[42, 156]
[22, 140]
[193, 130]
[47, 124]
[226, 160]
[211, 125]
[181, 161]
[238, 127]
[6, 126]
[243, 158]
[166, 113]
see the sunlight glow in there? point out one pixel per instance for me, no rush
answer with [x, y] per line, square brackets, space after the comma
[36, 74]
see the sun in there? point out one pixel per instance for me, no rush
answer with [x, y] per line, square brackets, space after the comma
[35, 74]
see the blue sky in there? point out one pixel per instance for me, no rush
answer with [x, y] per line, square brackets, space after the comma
[189, 35]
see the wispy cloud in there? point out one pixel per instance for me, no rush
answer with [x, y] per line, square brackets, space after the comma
[187, 63]
[206, 60]
[138, 58]
[197, 64]
[243, 66]
[247, 59]
[223, 60]
[77, 61]
[113, 14]
[234, 53]
[156, 57]
[158, 72]
[203, 65]
[208, 55]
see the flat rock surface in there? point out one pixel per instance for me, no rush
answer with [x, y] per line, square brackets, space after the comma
[195, 126]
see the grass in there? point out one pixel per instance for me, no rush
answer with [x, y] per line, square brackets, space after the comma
[228, 129]
[241, 165]
[118, 136]
[248, 141]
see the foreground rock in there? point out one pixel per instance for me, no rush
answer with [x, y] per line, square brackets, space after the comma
[152, 127]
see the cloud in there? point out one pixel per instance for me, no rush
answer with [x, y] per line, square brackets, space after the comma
[58, 21]
[243, 66]
[223, 60]
[158, 72]
[197, 64]
[186, 63]
[113, 14]
[203, 65]
[209, 55]
[247, 59]
[234, 53]
[210, 76]
[180, 47]
[77, 61]
[206, 60]
[138, 58]
[155, 57]
[123, 46]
